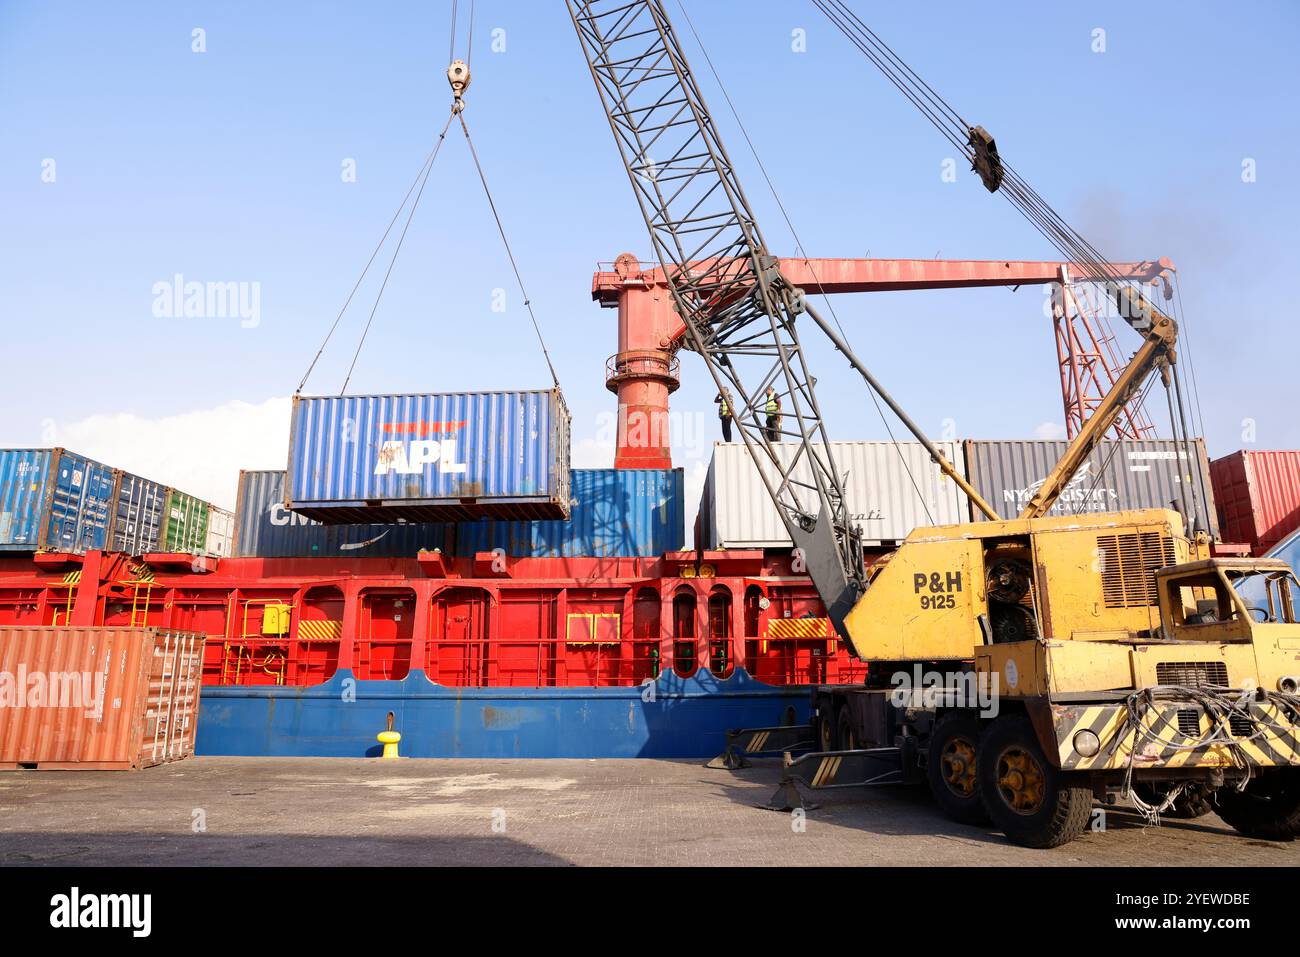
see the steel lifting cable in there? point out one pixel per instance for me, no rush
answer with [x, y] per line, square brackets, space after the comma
[956, 130]
[421, 175]
[1040, 214]
[528, 304]
[393, 260]
[799, 247]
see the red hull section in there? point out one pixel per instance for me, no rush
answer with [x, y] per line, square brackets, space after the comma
[484, 622]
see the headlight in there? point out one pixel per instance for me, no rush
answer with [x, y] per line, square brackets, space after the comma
[1086, 744]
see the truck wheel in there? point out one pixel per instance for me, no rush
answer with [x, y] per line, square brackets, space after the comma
[848, 740]
[826, 729]
[1269, 808]
[950, 769]
[1025, 796]
[1194, 802]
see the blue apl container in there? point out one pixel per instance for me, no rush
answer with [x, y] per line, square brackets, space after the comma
[615, 513]
[264, 528]
[54, 500]
[430, 457]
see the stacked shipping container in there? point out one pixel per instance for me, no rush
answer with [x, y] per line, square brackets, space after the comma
[614, 513]
[53, 499]
[1118, 475]
[56, 500]
[1258, 496]
[894, 487]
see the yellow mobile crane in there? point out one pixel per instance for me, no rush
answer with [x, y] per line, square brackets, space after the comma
[1103, 656]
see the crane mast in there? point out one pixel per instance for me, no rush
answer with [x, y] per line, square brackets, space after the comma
[738, 309]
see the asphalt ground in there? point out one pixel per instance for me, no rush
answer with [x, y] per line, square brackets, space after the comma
[341, 812]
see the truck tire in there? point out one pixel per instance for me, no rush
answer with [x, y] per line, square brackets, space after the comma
[950, 768]
[1027, 798]
[846, 738]
[1194, 802]
[826, 732]
[1269, 808]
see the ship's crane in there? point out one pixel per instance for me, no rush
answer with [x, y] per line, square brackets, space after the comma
[1132, 664]
[645, 370]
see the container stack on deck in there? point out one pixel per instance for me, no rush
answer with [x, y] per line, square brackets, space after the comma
[54, 500]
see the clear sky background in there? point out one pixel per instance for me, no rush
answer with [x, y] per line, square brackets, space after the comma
[226, 166]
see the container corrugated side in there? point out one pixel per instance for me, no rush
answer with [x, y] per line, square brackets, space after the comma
[1148, 473]
[185, 524]
[430, 457]
[53, 499]
[137, 515]
[265, 528]
[891, 489]
[114, 698]
[1258, 496]
[616, 513]
[221, 533]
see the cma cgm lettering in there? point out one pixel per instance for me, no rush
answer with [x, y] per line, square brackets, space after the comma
[430, 457]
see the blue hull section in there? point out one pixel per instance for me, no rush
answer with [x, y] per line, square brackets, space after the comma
[682, 718]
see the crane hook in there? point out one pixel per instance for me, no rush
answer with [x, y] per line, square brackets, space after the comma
[458, 77]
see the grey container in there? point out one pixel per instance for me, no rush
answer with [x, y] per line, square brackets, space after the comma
[137, 515]
[265, 528]
[1147, 473]
[891, 488]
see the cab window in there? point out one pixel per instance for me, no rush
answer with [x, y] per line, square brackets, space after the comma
[1269, 596]
[1201, 600]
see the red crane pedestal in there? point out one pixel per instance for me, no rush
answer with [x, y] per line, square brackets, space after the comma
[645, 370]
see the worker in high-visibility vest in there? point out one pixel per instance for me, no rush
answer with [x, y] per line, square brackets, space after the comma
[772, 407]
[723, 399]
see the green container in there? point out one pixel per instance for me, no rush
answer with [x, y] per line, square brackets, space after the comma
[185, 524]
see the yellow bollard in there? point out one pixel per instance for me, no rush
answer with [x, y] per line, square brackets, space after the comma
[389, 740]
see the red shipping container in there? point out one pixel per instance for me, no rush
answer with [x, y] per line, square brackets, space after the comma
[97, 698]
[1258, 496]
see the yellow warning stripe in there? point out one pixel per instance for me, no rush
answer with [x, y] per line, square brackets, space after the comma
[1163, 745]
[320, 630]
[798, 628]
[757, 742]
[826, 771]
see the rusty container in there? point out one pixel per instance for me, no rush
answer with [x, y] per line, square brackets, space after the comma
[97, 698]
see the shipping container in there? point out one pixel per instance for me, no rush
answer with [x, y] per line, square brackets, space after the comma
[185, 524]
[54, 500]
[1148, 473]
[1258, 496]
[137, 515]
[891, 488]
[615, 513]
[265, 528]
[221, 533]
[430, 457]
[98, 698]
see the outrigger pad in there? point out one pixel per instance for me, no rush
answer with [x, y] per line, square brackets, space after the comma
[788, 798]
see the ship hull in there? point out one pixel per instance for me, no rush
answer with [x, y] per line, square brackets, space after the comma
[672, 717]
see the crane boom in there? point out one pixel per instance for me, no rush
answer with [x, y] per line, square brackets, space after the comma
[738, 308]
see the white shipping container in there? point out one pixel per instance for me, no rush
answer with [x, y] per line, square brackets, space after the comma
[221, 533]
[891, 489]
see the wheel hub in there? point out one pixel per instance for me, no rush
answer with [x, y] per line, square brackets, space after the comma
[1020, 781]
[958, 765]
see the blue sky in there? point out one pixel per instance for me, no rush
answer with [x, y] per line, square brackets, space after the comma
[225, 166]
